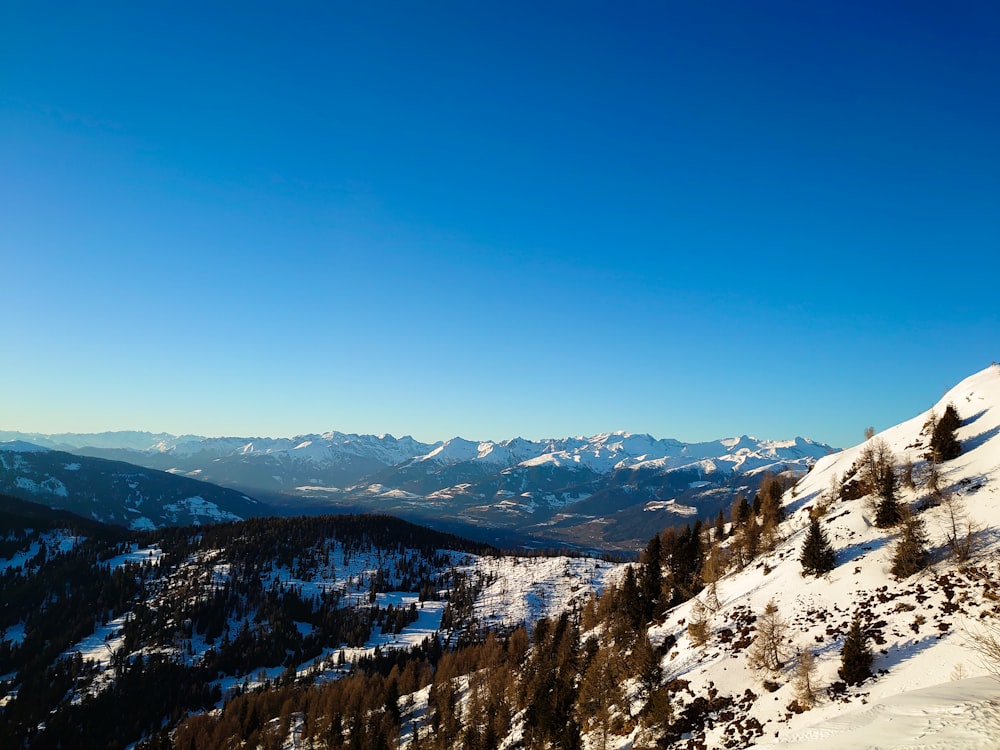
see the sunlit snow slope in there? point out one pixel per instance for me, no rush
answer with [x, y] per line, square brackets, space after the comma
[930, 687]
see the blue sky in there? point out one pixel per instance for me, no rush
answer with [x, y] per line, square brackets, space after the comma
[693, 219]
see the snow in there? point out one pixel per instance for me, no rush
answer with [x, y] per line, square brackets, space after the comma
[49, 486]
[456, 450]
[600, 453]
[54, 542]
[959, 715]
[20, 558]
[102, 643]
[199, 509]
[671, 505]
[522, 590]
[607, 451]
[137, 554]
[427, 625]
[931, 689]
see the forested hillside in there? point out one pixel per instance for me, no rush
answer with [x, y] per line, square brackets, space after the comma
[107, 636]
[857, 603]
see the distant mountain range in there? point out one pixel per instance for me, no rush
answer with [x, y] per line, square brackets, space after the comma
[116, 492]
[603, 491]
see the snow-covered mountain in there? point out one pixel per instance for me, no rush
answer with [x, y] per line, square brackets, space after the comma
[559, 491]
[551, 490]
[116, 492]
[598, 492]
[931, 686]
[601, 453]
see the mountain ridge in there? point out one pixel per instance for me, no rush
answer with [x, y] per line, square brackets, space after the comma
[546, 492]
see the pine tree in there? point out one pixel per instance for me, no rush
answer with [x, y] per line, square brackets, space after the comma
[632, 609]
[910, 556]
[720, 527]
[817, 555]
[645, 664]
[855, 656]
[771, 511]
[651, 581]
[944, 444]
[739, 514]
[601, 694]
[887, 511]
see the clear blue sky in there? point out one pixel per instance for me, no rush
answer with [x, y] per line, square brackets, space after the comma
[693, 219]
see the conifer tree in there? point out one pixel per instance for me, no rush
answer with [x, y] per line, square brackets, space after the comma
[944, 444]
[771, 511]
[817, 555]
[769, 651]
[910, 556]
[856, 655]
[960, 532]
[907, 478]
[686, 557]
[720, 527]
[805, 678]
[601, 693]
[645, 663]
[836, 488]
[752, 534]
[874, 462]
[887, 512]
[739, 514]
[651, 582]
[934, 480]
[632, 609]
[698, 624]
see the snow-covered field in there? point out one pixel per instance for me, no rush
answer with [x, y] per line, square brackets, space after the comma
[959, 715]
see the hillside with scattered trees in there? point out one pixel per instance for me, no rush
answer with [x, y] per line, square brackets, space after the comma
[803, 615]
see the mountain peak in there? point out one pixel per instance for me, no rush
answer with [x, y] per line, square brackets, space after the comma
[21, 446]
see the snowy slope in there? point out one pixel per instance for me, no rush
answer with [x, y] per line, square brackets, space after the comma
[929, 689]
